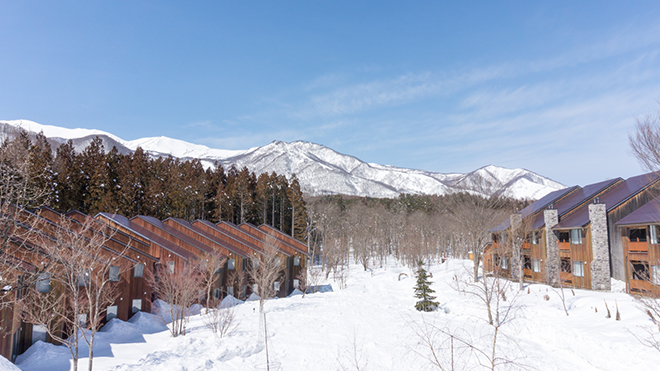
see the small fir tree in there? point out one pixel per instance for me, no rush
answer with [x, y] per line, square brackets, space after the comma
[423, 292]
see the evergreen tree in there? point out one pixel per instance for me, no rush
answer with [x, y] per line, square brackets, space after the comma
[423, 291]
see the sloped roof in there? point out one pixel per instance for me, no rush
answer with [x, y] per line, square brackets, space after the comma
[612, 198]
[536, 206]
[575, 199]
[647, 214]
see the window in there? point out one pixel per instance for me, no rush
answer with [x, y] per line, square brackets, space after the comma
[535, 238]
[255, 288]
[230, 290]
[536, 265]
[43, 283]
[637, 235]
[170, 267]
[505, 263]
[527, 263]
[654, 234]
[113, 273]
[83, 279]
[655, 269]
[639, 271]
[563, 236]
[296, 261]
[576, 236]
[565, 265]
[231, 264]
[138, 271]
[578, 268]
[38, 333]
[296, 283]
[110, 312]
[217, 293]
[82, 318]
[276, 286]
[137, 305]
[255, 263]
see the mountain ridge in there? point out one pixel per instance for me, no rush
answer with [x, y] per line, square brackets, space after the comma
[320, 170]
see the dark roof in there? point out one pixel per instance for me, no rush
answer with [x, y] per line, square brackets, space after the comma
[236, 238]
[285, 238]
[187, 225]
[261, 236]
[612, 198]
[575, 199]
[148, 235]
[536, 206]
[647, 214]
[175, 233]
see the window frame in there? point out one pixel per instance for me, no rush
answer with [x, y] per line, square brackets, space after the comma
[575, 232]
[138, 270]
[575, 271]
[536, 265]
[113, 273]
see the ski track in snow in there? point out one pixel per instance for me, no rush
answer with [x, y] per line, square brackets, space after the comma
[375, 312]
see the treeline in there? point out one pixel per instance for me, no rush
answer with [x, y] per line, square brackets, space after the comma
[410, 227]
[96, 180]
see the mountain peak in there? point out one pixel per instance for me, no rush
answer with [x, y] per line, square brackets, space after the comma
[320, 170]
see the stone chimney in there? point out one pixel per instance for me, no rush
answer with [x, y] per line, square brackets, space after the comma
[552, 261]
[600, 265]
[516, 255]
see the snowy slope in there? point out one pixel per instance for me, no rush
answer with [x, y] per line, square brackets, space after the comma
[320, 170]
[373, 321]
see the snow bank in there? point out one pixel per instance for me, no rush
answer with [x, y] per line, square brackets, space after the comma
[5, 365]
[295, 292]
[230, 301]
[44, 356]
[253, 297]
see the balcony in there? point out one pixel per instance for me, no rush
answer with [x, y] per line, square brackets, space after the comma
[638, 246]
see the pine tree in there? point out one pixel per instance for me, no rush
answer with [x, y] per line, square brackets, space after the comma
[423, 292]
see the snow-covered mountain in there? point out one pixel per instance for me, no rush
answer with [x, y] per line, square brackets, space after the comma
[320, 170]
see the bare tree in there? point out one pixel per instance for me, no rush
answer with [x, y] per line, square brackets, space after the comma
[266, 271]
[209, 265]
[500, 304]
[645, 141]
[180, 290]
[22, 187]
[475, 215]
[236, 279]
[221, 320]
[82, 274]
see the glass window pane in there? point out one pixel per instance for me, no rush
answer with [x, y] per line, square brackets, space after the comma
[111, 312]
[137, 305]
[655, 271]
[170, 267]
[38, 333]
[231, 264]
[654, 234]
[578, 268]
[43, 283]
[296, 261]
[576, 236]
[114, 273]
[138, 271]
[276, 286]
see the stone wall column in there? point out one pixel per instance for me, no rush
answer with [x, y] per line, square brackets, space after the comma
[552, 261]
[516, 244]
[600, 263]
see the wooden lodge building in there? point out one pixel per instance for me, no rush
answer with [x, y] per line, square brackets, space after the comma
[142, 244]
[641, 248]
[571, 236]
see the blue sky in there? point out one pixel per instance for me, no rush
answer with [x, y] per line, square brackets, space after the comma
[553, 87]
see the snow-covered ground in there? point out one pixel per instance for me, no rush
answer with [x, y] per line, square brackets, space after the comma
[373, 321]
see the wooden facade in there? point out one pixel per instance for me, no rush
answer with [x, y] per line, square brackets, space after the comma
[147, 242]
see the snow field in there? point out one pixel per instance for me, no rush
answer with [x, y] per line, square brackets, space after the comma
[373, 321]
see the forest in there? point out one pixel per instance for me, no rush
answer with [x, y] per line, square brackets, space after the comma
[101, 180]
